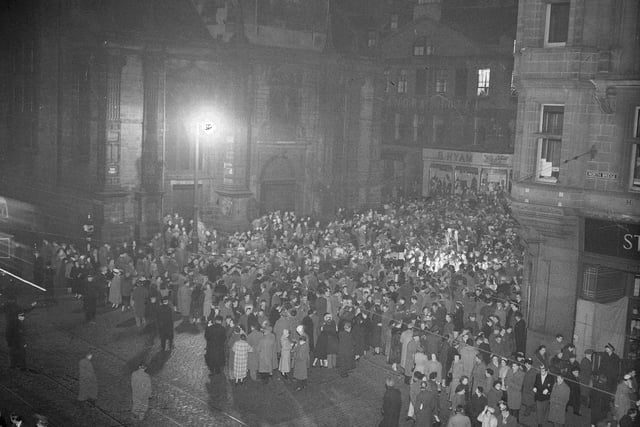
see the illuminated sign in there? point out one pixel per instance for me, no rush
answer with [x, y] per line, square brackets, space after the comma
[617, 239]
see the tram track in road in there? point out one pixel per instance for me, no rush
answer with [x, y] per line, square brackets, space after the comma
[208, 406]
[174, 403]
[99, 416]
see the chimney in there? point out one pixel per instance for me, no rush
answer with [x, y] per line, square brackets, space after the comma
[430, 8]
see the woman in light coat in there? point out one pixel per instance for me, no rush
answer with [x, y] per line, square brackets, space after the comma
[208, 300]
[184, 300]
[115, 293]
[456, 371]
[285, 354]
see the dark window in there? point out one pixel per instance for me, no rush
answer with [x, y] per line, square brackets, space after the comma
[421, 81]
[461, 83]
[81, 97]
[557, 22]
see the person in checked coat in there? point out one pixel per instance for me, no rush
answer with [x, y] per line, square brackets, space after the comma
[241, 350]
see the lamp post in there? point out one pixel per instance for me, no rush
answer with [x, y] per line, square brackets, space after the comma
[207, 127]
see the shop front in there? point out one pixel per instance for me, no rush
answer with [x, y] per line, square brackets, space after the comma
[449, 171]
[608, 304]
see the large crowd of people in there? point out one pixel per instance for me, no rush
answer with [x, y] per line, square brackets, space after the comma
[429, 286]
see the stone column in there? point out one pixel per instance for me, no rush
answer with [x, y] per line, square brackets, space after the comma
[109, 206]
[149, 197]
[109, 159]
[234, 193]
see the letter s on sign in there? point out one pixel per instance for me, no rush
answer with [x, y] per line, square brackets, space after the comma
[628, 244]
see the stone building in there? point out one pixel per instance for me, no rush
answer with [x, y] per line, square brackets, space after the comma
[576, 186]
[104, 104]
[444, 89]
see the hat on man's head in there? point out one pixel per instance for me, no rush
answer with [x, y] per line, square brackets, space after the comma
[588, 351]
[610, 346]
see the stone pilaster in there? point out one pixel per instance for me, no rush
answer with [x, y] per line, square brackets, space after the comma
[234, 193]
[109, 154]
[109, 207]
[149, 198]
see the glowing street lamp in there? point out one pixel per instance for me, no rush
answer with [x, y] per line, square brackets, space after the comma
[206, 126]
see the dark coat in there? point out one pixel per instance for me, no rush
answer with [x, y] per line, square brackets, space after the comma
[426, 407]
[346, 350]
[90, 296]
[520, 334]
[610, 366]
[15, 334]
[301, 361]
[14, 328]
[527, 387]
[600, 402]
[216, 337]
[165, 321]
[541, 386]
[327, 341]
[391, 407]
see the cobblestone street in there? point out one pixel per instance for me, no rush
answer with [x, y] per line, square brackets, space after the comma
[184, 393]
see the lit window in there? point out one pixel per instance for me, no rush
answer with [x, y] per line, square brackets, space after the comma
[484, 76]
[394, 22]
[419, 47]
[550, 143]
[371, 41]
[441, 80]
[556, 29]
[402, 82]
[635, 153]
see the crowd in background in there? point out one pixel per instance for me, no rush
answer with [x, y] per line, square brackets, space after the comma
[431, 285]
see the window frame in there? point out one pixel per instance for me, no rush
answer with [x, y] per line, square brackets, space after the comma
[546, 136]
[483, 91]
[393, 21]
[547, 25]
[634, 167]
[372, 39]
[421, 79]
[420, 46]
[403, 85]
[441, 82]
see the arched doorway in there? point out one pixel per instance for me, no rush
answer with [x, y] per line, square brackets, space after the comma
[278, 188]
